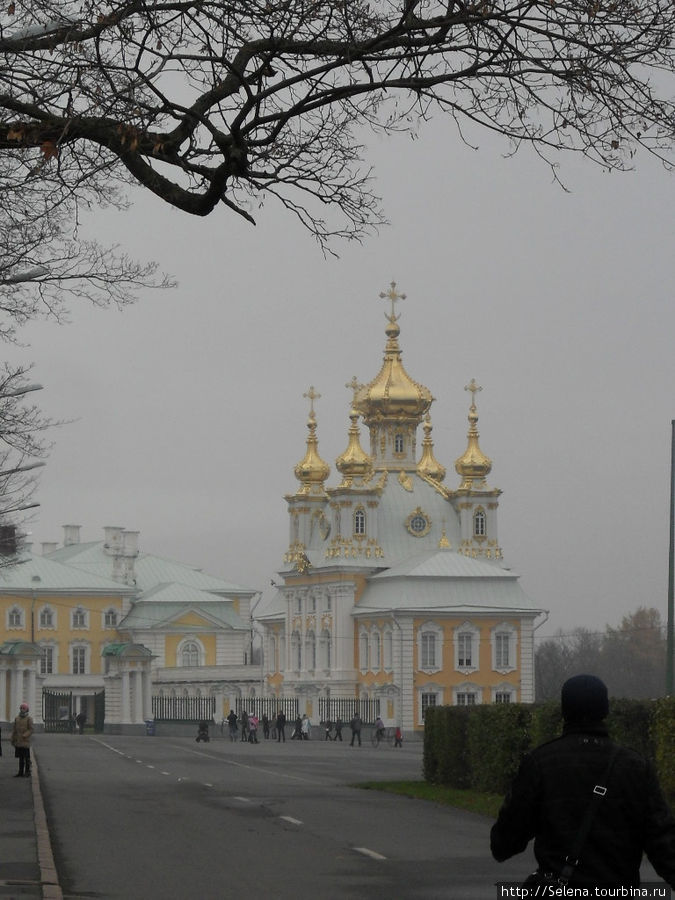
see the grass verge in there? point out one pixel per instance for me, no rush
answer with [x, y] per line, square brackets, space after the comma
[474, 801]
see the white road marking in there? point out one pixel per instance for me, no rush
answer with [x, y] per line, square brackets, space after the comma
[371, 853]
[243, 799]
[291, 820]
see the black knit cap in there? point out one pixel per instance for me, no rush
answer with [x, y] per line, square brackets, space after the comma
[584, 699]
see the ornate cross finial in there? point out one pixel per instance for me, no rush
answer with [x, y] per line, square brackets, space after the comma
[393, 295]
[311, 395]
[474, 388]
[355, 385]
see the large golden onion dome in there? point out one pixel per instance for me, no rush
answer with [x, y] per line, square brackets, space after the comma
[473, 466]
[428, 464]
[393, 394]
[312, 471]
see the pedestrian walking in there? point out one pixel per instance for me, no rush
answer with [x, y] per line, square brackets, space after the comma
[338, 729]
[266, 726]
[592, 806]
[253, 729]
[281, 726]
[297, 729]
[305, 727]
[22, 732]
[232, 724]
[329, 728]
[355, 726]
[81, 719]
[244, 725]
[398, 737]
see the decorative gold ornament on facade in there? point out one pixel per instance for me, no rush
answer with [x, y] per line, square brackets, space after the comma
[428, 464]
[473, 466]
[418, 523]
[354, 463]
[405, 481]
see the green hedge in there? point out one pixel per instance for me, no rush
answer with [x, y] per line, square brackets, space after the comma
[481, 747]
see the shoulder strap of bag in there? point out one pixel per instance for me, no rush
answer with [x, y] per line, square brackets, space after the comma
[599, 791]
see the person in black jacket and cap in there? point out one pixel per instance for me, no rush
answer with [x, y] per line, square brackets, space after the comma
[551, 793]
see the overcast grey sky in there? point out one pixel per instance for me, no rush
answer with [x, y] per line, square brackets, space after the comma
[188, 409]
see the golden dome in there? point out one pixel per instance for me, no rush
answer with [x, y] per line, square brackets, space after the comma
[473, 465]
[354, 462]
[428, 464]
[393, 394]
[312, 471]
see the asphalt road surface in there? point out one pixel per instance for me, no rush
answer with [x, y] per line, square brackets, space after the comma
[161, 817]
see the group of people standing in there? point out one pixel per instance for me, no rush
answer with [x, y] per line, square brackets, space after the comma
[245, 728]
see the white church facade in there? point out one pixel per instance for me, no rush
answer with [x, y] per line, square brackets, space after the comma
[395, 592]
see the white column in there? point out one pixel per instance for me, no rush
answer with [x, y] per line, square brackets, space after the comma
[147, 694]
[3, 695]
[33, 701]
[126, 711]
[16, 691]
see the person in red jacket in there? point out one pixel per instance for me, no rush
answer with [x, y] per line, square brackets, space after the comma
[550, 796]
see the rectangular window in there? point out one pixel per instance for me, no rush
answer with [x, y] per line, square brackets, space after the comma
[466, 698]
[428, 650]
[464, 643]
[79, 660]
[502, 697]
[15, 618]
[46, 619]
[502, 655]
[111, 619]
[79, 619]
[427, 701]
[47, 661]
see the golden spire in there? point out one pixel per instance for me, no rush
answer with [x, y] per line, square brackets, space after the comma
[354, 462]
[428, 464]
[473, 466]
[312, 471]
[392, 394]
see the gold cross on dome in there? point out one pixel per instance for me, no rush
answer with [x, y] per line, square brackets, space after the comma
[311, 395]
[393, 295]
[355, 385]
[474, 388]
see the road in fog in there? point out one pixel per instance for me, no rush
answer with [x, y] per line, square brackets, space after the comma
[159, 817]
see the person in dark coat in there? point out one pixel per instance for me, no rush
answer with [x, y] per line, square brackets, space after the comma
[551, 793]
[281, 726]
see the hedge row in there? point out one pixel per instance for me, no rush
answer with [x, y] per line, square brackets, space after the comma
[480, 747]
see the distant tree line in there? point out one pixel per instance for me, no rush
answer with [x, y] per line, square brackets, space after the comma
[630, 659]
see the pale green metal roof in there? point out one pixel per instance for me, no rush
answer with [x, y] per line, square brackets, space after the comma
[43, 574]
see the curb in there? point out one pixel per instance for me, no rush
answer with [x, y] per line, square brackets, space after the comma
[49, 879]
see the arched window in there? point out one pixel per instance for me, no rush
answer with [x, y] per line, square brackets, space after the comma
[375, 651]
[189, 654]
[79, 618]
[359, 521]
[296, 650]
[399, 443]
[46, 617]
[310, 650]
[388, 650]
[272, 665]
[325, 648]
[479, 523]
[363, 651]
[15, 617]
[428, 650]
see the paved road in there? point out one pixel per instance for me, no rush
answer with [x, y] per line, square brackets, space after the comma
[151, 817]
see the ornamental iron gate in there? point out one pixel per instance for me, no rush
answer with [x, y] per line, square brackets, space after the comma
[57, 711]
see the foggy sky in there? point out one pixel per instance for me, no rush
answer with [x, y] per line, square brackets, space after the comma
[186, 415]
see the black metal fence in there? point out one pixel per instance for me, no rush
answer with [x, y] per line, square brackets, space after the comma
[332, 708]
[184, 709]
[268, 706]
[57, 711]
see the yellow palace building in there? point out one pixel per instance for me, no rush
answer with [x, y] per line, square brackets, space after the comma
[395, 591]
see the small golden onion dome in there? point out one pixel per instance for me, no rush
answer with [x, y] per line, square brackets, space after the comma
[312, 471]
[428, 464]
[354, 462]
[473, 466]
[393, 394]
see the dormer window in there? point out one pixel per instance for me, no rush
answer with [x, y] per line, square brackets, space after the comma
[479, 523]
[359, 522]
